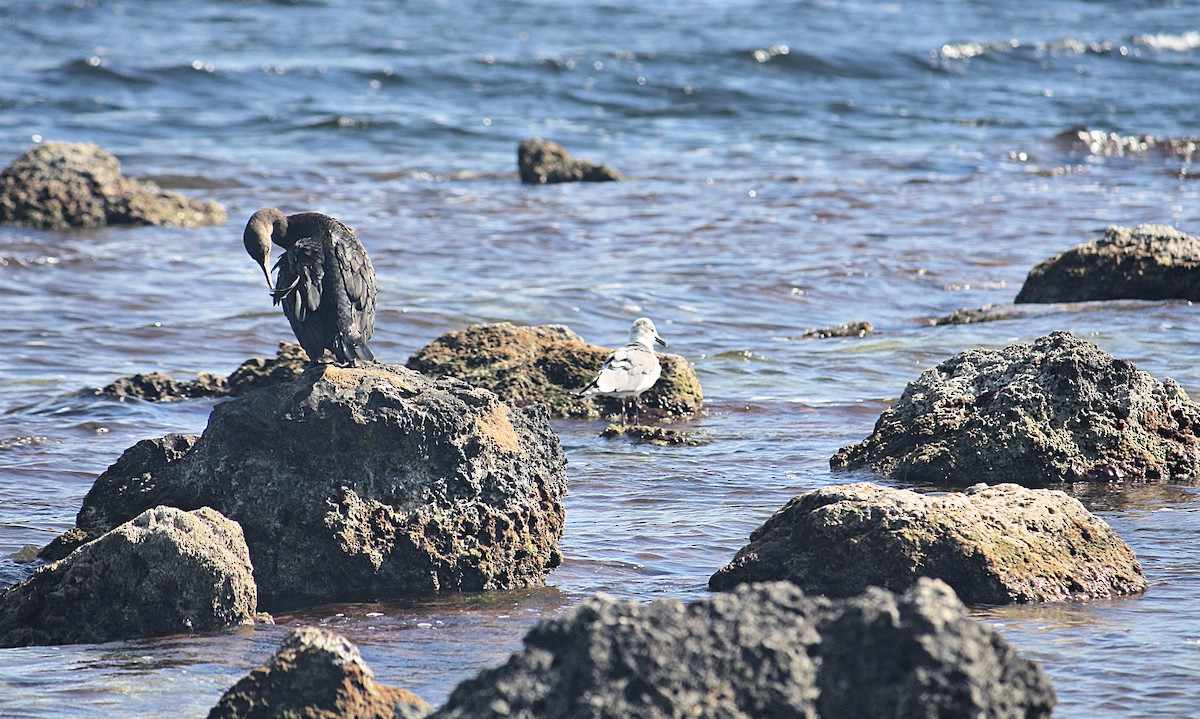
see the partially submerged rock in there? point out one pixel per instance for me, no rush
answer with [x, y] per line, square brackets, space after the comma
[57, 185]
[287, 364]
[542, 162]
[1146, 262]
[367, 482]
[548, 364]
[993, 545]
[316, 674]
[662, 436]
[846, 329]
[762, 651]
[987, 313]
[164, 572]
[1057, 409]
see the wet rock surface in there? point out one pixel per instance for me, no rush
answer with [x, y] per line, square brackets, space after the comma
[644, 434]
[164, 572]
[316, 674]
[846, 329]
[987, 313]
[763, 650]
[1147, 262]
[543, 162]
[993, 545]
[548, 364]
[360, 483]
[1057, 409]
[289, 361]
[57, 185]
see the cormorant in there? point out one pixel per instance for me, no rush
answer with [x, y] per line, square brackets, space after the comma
[326, 283]
[632, 369]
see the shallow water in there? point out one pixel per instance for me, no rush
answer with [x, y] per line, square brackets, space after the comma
[795, 165]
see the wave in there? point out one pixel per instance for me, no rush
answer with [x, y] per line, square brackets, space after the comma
[1112, 144]
[1068, 46]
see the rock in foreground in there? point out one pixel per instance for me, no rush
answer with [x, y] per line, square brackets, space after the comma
[57, 185]
[316, 674]
[1147, 262]
[167, 571]
[762, 651]
[542, 162]
[1057, 409]
[367, 482]
[992, 545]
[548, 364]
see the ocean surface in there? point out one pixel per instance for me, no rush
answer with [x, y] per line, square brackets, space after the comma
[793, 165]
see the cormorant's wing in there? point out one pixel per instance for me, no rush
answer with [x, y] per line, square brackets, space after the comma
[358, 277]
[302, 269]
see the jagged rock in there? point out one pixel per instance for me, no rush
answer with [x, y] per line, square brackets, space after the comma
[1146, 262]
[289, 361]
[987, 313]
[316, 674]
[542, 162]
[548, 364]
[846, 329]
[993, 545]
[763, 650]
[164, 572]
[57, 185]
[363, 482]
[1057, 409]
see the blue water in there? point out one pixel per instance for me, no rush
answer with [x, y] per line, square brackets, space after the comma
[794, 165]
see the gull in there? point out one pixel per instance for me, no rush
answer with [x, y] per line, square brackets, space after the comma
[630, 370]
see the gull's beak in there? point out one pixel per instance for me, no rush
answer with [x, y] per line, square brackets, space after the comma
[660, 340]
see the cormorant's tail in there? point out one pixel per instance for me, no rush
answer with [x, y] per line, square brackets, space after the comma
[349, 350]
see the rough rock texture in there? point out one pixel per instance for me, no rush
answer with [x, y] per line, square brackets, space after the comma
[542, 162]
[1057, 409]
[846, 329]
[57, 185]
[289, 361]
[987, 313]
[366, 482]
[316, 674]
[1147, 262]
[644, 434]
[166, 571]
[549, 364]
[993, 545]
[763, 650]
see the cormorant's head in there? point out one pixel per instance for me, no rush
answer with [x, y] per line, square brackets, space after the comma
[264, 226]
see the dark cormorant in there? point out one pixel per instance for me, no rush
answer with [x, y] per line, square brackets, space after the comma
[326, 283]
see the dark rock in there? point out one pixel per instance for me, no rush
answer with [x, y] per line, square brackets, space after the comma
[289, 361]
[662, 436]
[316, 674]
[993, 545]
[987, 313]
[549, 364]
[167, 571]
[364, 482]
[1147, 262]
[542, 162]
[766, 651]
[846, 329]
[57, 185]
[1057, 409]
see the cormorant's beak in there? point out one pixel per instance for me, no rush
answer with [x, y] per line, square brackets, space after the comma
[267, 275]
[660, 340]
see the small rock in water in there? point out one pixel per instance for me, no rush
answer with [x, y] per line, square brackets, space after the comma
[287, 364]
[662, 436]
[846, 329]
[542, 162]
[987, 313]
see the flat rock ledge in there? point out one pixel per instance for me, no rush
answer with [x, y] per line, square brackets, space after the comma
[355, 483]
[289, 362]
[316, 674]
[543, 162]
[548, 364]
[57, 185]
[762, 651]
[166, 571]
[1057, 409]
[993, 545]
[1146, 262]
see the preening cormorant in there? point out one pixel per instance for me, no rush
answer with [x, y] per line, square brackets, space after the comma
[632, 369]
[325, 283]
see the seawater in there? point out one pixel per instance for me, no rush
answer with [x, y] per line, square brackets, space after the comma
[793, 165]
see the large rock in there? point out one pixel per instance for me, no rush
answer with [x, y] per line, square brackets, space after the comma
[57, 185]
[1057, 409]
[166, 571]
[549, 364]
[316, 674]
[993, 545]
[362, 482]
[287, 364]
[542, 162]
[764, 651]
[1147, 262]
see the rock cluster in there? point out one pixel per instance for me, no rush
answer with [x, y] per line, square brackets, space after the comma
[542, 162]
[1057, 409]
[287, 364]
[548, 364]
[165, 571]
[57, 185]
[993, 545]
[763, 650]
[1146, 262]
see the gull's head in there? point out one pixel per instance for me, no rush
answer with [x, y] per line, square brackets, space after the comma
[644, 333]
[265, 226]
